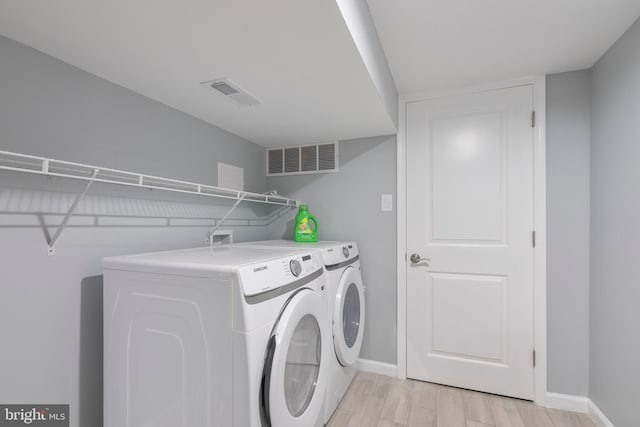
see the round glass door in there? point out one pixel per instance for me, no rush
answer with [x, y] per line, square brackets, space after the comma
[351, 315]
[297, 362]
[348, 317]
[302, 365]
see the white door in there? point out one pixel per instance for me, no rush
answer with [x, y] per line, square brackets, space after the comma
[295, 377]
[470, 219]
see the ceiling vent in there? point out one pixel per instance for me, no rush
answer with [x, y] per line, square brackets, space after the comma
[232, 92]
[301, 160]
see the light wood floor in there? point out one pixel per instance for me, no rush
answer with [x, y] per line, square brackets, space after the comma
[380, 401]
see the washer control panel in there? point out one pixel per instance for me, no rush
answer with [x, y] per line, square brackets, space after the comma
[268, 275]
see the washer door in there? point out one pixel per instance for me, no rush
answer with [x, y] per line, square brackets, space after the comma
[348, 317]
[294, 380]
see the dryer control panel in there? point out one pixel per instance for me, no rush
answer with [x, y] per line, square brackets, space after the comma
[273, 274]
[339, 254]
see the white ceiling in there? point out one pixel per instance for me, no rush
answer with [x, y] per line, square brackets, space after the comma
[298, 57]
[436, 44]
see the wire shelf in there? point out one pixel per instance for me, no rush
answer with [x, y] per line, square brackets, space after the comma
[25, 163]
[17, 162]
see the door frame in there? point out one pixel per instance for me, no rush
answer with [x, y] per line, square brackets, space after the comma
[540, 222]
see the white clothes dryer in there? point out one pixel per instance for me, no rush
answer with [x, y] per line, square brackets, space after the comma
[217, 336]
[345, 309]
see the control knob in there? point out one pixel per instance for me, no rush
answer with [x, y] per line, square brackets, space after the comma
[295, 267]
[345, 251]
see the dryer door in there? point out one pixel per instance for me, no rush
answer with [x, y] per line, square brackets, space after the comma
[294, 381]
[348, 317]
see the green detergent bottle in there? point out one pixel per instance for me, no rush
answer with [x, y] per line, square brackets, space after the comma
[303, 231]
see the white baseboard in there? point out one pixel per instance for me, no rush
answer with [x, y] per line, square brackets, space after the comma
[598, 417]
[581, 404]
[376, 367]
[568, 402]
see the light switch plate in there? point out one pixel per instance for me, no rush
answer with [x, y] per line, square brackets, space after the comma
[386, 202]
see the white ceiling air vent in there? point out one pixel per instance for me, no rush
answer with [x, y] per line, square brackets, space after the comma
[304, 159]
[232, 92]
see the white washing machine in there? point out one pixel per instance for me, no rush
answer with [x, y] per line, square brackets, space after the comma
[222, 336]
[345, 308]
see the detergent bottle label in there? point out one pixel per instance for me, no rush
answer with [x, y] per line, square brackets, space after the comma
[303, 227]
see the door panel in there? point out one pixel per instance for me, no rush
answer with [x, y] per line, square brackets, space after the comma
[471, 327]
[467, 166]
[470, 211]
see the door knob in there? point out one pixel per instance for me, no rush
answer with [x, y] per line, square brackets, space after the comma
[415, 258]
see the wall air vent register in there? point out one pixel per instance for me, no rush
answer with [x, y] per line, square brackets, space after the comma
[304, 159]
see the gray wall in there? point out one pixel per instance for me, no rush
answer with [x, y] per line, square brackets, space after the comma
[51, 307]
[568, 127]
[347, 206]
[615, 231]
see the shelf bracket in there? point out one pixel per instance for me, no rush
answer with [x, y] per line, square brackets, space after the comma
[241, 197]
[67, 217]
